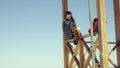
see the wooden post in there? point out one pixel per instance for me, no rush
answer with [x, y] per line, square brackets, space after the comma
[64, 6]
[81, 53]
[117, 27]
[66, 52]
[102, 33]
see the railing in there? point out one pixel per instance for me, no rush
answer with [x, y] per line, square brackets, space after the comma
[81, 54]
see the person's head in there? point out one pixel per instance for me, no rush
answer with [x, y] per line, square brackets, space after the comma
[68, 15]
[95, 20]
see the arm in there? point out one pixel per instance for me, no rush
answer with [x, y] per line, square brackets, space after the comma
[76, 32]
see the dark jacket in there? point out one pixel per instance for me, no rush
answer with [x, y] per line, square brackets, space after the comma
[95, 27]
[67, 29]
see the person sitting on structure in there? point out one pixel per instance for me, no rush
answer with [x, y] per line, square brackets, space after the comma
[68, 26]
[95, 27]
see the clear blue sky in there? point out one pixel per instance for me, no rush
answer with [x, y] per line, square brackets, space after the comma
[31, 31]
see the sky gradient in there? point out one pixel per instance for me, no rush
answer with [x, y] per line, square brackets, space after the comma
[31, 31]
